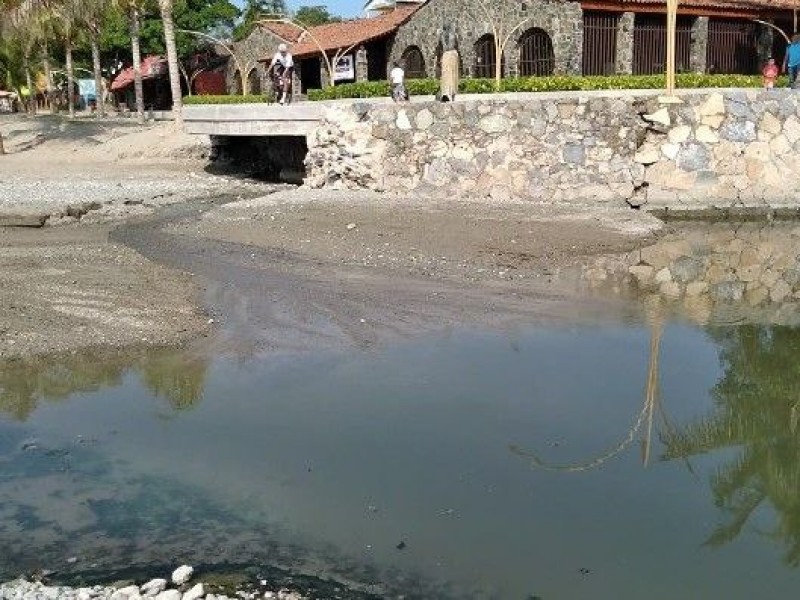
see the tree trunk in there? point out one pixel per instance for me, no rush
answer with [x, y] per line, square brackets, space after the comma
[31, 102]
[2, 148]
[136, 51]
[48, 75]
[172, 60]
[498, 66]
[98, 75]
[70, 81]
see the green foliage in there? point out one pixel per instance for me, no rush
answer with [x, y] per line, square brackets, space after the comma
[253, 11]
[231, 99]
[426, 87]
[311, 16]
[214, 17]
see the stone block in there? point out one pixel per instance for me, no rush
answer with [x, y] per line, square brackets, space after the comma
[706, 135]
[680, 134]
[713, 106]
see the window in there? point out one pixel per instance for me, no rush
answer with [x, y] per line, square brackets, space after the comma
[485, 57]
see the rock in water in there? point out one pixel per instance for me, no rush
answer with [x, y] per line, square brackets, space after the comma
[195, 593]
[154, 587]
[182, 574]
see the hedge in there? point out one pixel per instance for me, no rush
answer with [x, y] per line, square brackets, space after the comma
[428, 87]
[232, 99]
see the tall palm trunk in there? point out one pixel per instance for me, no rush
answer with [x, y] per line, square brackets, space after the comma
[172, 61]
[136, 51]
[31, 103]
[70, 81]
[98, 76]
[48, 75]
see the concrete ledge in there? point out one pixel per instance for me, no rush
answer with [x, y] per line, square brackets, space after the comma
[252, 119]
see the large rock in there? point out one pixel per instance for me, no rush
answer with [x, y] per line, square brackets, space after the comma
[714, 106]
[693, 157]
[197, 592]
[686, 269]
[153, 587]
[182, 574]
[495, 124]
[169, 595]
[738, 131]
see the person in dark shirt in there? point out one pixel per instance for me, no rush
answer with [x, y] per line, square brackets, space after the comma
[791, 62]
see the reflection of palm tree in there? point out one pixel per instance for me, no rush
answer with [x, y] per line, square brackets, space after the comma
[756, 411]
[174, 376]
[645, 416]
[23, 383]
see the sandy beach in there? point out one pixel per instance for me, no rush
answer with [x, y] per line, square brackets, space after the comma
[69, 279]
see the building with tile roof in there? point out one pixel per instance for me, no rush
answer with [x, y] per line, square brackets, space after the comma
[591, 37]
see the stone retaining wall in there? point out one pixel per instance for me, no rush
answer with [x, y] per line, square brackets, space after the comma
[713, 149]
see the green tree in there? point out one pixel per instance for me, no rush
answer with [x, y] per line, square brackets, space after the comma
[311, 16]
[256, 10]
[757, 405]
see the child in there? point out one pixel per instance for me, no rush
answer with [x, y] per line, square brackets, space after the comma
[770, 73]
[397, 79]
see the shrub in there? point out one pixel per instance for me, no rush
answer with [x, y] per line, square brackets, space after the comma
[428, 87]
[229, 99]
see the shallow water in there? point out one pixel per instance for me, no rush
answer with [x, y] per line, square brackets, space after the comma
[508, 465]
[614, 458]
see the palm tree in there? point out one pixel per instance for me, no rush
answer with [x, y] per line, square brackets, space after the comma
[133, 9]
[69, 17]
[94, 13]
[172, 60]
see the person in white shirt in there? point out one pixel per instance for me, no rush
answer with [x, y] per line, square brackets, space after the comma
[397, 78]
[280, 71]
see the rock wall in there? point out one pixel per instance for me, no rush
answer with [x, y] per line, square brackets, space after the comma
[563, 22]
[713, 149]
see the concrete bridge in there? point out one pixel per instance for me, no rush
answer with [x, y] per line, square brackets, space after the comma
[252, 119]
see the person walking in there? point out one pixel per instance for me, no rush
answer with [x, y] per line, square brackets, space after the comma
[397, 78]
[791, 62]
[280, 71]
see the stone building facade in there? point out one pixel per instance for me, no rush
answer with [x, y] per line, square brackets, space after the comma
[246, 69]
[561, 22]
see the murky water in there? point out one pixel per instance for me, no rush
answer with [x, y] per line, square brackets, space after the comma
[620, 460]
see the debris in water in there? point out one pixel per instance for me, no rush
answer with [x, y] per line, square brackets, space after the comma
[401, 545]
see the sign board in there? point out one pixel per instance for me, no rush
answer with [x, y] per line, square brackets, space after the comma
[87, 89]
[345, 69]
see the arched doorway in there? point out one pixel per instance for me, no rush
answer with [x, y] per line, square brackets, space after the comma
[237, 83]
[414, 63]
[253, 82]
[536, 56]
[486, 57]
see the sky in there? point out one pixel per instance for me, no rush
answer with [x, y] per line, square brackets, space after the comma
[344, 8]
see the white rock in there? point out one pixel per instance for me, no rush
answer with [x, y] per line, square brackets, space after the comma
[714, 106]
[679, 134]
[706, 135]
[182, 574]
[671, 151]
[647, 156]
[169, 595]
[402, 121]
[127, 593]
[154, 587]
[661, 117]
[195, 593]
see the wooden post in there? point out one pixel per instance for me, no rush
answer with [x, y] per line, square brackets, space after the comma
[672, 18]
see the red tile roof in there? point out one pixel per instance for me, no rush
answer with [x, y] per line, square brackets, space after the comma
[152, 67]
[336, 36]
[285, 31]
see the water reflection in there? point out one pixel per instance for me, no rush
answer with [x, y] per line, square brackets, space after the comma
[754, 422]
[176, 376]
[716, 272]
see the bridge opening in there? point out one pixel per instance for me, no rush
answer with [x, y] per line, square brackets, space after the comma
[273, 158]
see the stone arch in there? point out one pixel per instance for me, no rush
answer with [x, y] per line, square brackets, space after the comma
[536, 55]
[253, 82]
[486, 57]
[414, 63]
